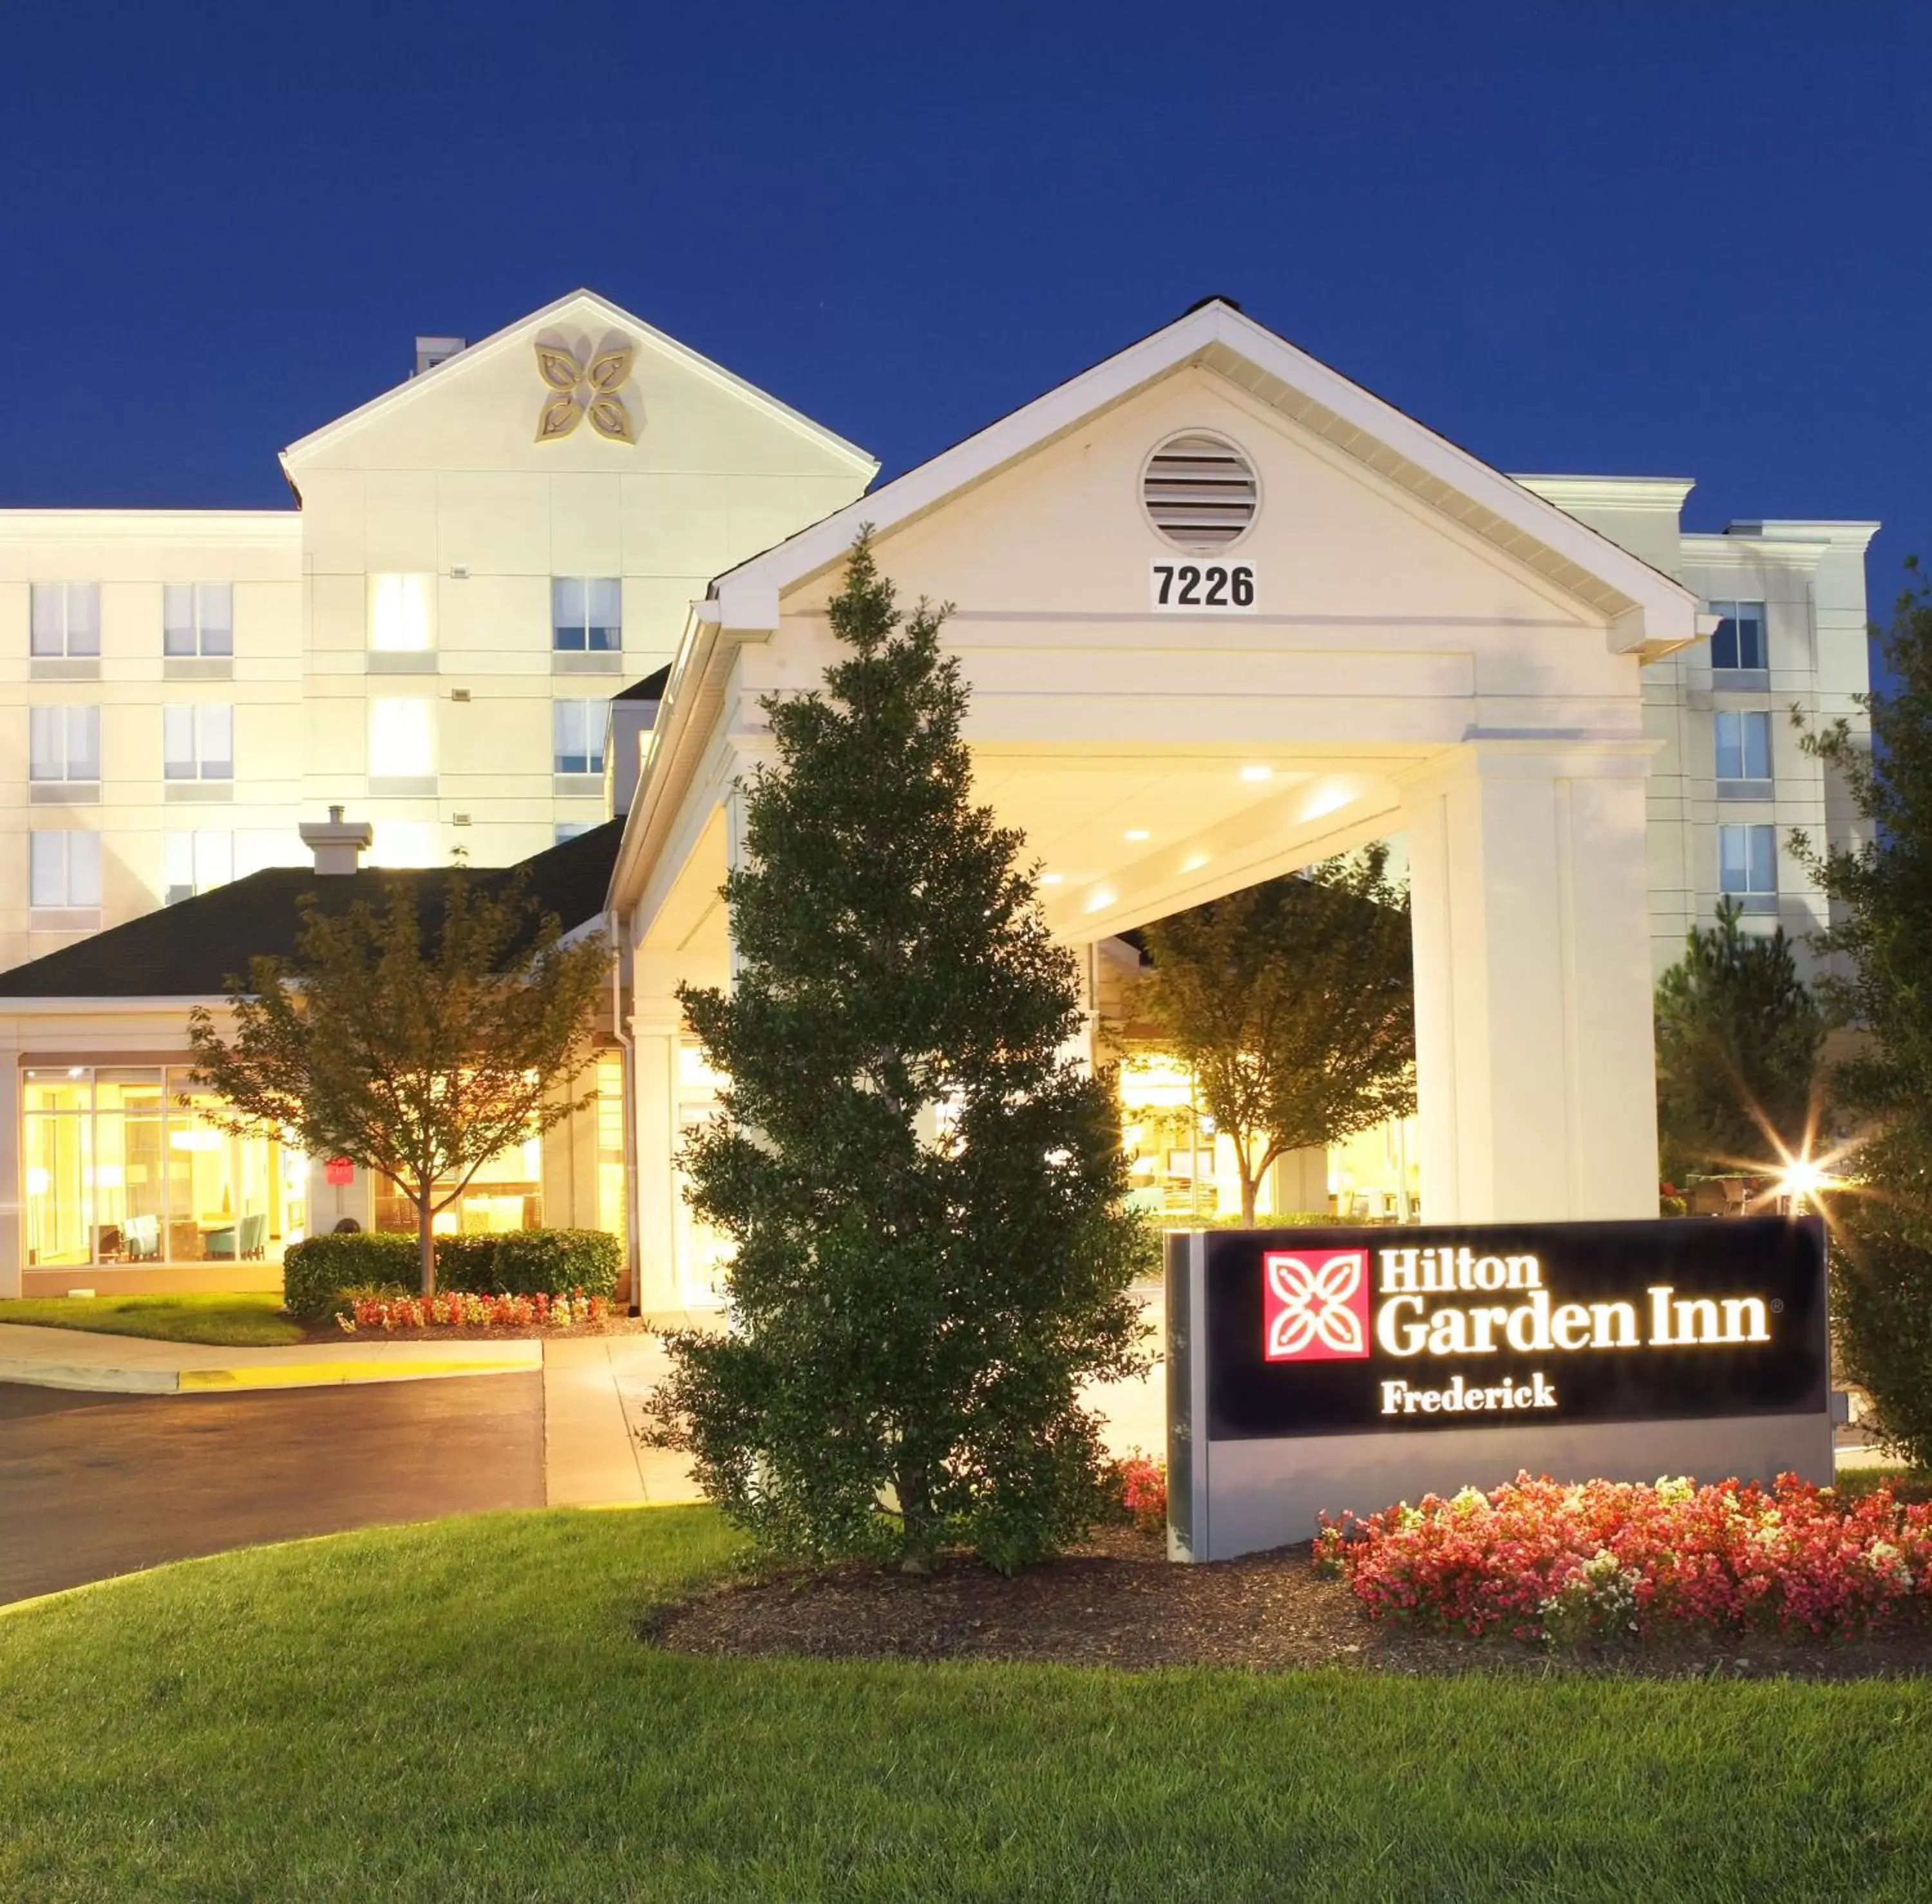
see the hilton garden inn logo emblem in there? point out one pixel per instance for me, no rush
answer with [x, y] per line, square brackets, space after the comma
[1315, 1308]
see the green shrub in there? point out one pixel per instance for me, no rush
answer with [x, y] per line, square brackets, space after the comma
[315, 1270]
[530, 1263]
[512, 1263]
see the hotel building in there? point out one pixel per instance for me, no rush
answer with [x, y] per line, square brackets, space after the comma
[1573, 714]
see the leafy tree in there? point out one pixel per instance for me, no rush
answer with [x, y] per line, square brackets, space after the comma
[926, 1192]
[1294, 1003]
[1881, 890]
[1739, 1035]
[420, 1048]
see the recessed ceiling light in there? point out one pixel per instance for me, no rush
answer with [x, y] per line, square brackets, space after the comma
[1052, 878]
[1137, 832]
[1257, 772]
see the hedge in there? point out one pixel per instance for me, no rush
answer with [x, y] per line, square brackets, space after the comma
[314, 1270]
[511, 1263]
[530, 1263]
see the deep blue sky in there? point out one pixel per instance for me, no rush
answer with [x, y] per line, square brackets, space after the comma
[1684, 239]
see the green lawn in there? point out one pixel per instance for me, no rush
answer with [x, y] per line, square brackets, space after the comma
[228, 1322]
[459, 1712]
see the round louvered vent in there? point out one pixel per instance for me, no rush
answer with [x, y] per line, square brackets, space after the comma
[1200, 492]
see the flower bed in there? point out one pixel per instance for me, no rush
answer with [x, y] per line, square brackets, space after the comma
[1135, 1486]
[1608, 1560]
[464, 1309]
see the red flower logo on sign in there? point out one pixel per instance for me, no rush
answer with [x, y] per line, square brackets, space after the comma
[1315, 1309]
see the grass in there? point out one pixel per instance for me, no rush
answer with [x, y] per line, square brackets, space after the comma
[1913, 1484]
[459, 1712]
[250, 1320]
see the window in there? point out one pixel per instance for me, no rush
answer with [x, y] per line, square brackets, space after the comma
[587, 615]
[198, 743]
[197, 620]
[64, 743]
[66, 621]
[117, 1170]
[578, 727]
[505, 1193]
[194, 862]
[1743, 755]
[569, 830]
[402, 614]
[1747, 867]
[402, 738]
[63, 870]
[1739, 642]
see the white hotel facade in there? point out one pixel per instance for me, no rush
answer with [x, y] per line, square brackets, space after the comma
[428, 636]
[1574, 712]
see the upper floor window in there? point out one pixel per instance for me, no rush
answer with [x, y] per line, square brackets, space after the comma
[402, 738]
[1739, 642]
[587, 615]
[64, 743]
[66, 621]
[402, 614]
[197, 619]
[64, 869]
[577, 727]
[195, 862]
[1747, 867]
[198, 743]
[570, 829]
[1743, 755]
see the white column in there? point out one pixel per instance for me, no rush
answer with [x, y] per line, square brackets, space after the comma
[655, 1070]
[1530, 903]
[12, 1212]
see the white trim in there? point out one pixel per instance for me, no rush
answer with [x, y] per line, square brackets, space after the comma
[578, 303]
[1362, 424]
[1664, 494]
[81, 1002]
[174, 528]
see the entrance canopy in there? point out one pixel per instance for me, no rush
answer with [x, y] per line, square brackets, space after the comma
[1224, 613]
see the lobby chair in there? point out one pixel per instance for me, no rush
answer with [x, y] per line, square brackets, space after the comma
[143, 1239]
[239, 1241]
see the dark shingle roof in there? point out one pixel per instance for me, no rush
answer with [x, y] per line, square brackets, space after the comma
[651, 688]
[191, 949]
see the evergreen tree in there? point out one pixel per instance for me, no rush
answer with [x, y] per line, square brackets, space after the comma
[926, 1192]
[1738, 1035]
[1293, 1002]
[1881, 889]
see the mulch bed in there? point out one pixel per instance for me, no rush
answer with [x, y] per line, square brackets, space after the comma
[503, 1332]
[1117, 1602]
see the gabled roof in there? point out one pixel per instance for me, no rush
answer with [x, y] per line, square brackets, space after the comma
[192, 949]
[583, 306]
[1649, 610]
[1648, 613]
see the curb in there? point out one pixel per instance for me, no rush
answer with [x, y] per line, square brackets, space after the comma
[247, 1378]
[332, 1374]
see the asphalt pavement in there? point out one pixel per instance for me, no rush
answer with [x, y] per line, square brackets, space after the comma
[93, 1485]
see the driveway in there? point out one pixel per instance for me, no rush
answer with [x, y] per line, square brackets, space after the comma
[92, 1485]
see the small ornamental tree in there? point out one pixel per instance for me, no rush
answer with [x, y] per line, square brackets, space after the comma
[1293, 1003]
[419, 1048]
[1881, 893]
[926, 1190]
[1738, 1036]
